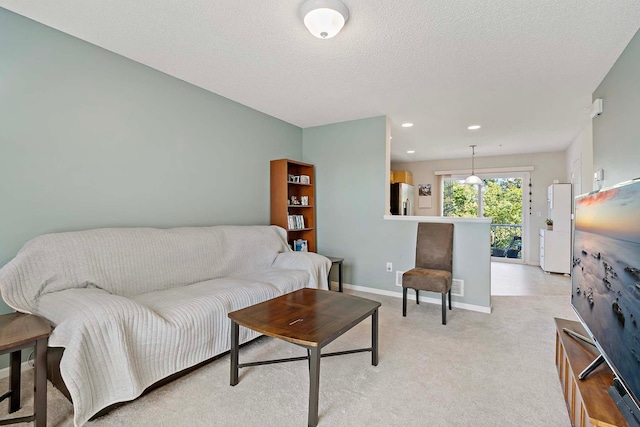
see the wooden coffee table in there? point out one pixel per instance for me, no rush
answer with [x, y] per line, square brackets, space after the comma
[310, 318]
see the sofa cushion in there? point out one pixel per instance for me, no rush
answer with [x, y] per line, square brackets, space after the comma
[284, 280]
[218, 294]
[116, 347]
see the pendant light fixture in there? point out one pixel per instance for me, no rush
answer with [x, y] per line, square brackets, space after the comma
[324, 18]
[473, 179]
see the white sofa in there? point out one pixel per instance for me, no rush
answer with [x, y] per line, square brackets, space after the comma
[132, 306]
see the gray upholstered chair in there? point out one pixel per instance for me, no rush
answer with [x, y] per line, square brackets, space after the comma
[434, 262]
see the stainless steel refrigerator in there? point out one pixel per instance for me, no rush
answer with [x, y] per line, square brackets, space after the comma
[402, 199]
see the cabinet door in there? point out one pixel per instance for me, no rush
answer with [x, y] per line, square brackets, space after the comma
[557, 251]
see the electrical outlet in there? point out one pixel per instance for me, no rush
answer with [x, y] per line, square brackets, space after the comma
[389, 266]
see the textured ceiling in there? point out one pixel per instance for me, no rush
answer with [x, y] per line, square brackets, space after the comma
[524, 70]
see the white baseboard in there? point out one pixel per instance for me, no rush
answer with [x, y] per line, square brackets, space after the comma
[412, 297]
[515, 261]
[24, 366]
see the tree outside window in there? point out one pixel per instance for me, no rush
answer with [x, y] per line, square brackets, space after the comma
[502, 201]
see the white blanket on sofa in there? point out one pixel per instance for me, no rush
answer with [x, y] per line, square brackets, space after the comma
[133, 306]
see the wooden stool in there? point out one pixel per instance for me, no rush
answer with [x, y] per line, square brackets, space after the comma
[18, 331]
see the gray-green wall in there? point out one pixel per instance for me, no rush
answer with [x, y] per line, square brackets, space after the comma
[350, 160]
[350, 187]
[91, 139]
[616, 135]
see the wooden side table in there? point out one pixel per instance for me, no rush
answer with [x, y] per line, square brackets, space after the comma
[338, 261]
[18, 331]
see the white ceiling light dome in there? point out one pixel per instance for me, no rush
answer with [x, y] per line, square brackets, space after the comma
[324, 18]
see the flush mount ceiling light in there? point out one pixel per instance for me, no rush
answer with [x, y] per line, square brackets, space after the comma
[473, 179]
[411, 151]
[324, 18]
[474, 127]
[407, 125]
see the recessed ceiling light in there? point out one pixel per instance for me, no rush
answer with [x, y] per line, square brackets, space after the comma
[411, 151]
[407, 125]
[474, 127]
[390, 137]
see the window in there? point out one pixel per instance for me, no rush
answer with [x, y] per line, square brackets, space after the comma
[459, 200]
[501, 198]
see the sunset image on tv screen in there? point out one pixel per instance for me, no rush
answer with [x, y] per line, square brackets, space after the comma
[606, 276]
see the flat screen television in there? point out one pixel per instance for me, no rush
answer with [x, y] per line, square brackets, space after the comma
[606, 283]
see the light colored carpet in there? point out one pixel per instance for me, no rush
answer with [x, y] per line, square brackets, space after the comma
[480, 370]
[508, 279]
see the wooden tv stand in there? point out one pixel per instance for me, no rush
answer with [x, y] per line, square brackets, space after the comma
[588, 401]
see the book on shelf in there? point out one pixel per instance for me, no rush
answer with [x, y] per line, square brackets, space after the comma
[295, 222]
[300, 245]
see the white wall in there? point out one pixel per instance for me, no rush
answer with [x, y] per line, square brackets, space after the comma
[547, 167]
[579, 161]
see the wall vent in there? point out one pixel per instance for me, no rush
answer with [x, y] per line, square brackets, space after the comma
[457, 287]
[399, 278]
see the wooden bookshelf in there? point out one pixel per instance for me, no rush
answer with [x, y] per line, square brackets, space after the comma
[282, 191]
[587, 401]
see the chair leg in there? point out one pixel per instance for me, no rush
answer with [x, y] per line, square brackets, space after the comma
[404, 302]
[449, 299]
[417, 297]
[444, 309]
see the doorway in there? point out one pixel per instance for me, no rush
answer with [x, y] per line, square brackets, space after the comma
[504, 202]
